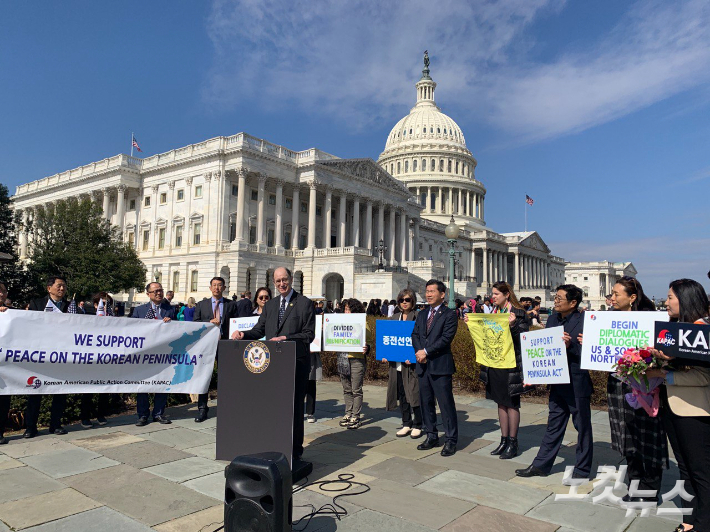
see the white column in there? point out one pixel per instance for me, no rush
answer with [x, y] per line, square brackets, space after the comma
[392, 245]
[260, 221]
[120, 206]
[341, 215]
[241, 199]
[295, 212]
[207, 209]
[107, 198]
[327, 215]
[414, 251]
[516, 275]
[187, 237]
[402, 237]
[481, 207]
[23, 234]
[278, 218]
[368, 226]
[169, 225]
[356, 221]
[484, 274]
[427, 200]
[312, 214]
[468, 203]
[460, 201]
[154, 206]
[441, 200]
[410, 233]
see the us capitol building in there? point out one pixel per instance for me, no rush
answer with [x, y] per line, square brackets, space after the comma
[239, 207]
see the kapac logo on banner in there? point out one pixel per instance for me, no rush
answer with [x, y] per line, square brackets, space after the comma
[665, 338]
[684, 340]
[607, 334]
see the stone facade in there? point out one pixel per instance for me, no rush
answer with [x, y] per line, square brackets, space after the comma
[597, 279]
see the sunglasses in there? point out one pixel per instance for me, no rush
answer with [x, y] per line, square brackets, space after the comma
[264, 298]
[404, 300]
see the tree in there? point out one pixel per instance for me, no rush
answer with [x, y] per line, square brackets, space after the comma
[75, 241]
[12, 272]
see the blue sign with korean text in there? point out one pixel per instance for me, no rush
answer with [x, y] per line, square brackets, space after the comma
[393, 341]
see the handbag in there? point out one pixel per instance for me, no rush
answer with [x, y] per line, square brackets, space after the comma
[343, 365]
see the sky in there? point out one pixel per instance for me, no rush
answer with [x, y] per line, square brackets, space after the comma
[600, 111]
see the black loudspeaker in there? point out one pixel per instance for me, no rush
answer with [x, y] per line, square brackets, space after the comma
[257, 494]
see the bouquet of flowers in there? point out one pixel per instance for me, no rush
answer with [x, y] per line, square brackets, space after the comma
[631, 367]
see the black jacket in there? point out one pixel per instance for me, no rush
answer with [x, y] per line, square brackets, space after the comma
[204, 312]
[580, 381]
[437, 342]
[41, 303]
[515, 375]
[244, 308]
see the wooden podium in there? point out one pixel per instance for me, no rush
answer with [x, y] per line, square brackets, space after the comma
[255, 386]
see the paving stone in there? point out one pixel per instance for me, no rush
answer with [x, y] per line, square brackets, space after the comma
[582, 516]
[410, 472]
[484, 403]
[334, 454]
[208, 451]
[210, 485]
[185, 469]
[9, 463]
[144, 454]
[3, 527]
[552, 482]
[22, 482]
[305, 500]
[189, 423]
[45, 508]
[600, 417]
[106, 441]
[117, 477]
[491, 467]
[528, 449]
[100, 519]
[467, 444]
[398, 500]
[405, 448]
[368, 435]
[367, 521]
[340, 480]
[207, 520]
[653, 524]
[77, 432]
[23, 448]
[484, 518]
[180, 438]
[486, 491]
[58, 464]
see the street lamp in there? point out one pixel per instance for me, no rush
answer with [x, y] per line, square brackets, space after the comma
[380, 249]
[452, 233]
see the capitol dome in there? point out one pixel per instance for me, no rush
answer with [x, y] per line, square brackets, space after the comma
[426, 150]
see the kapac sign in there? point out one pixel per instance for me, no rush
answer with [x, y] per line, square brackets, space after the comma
[683, 340]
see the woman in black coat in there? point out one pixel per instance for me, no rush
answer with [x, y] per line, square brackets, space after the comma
[504, 386]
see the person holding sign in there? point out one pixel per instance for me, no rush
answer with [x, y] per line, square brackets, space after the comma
[4, 399]
[403, 384]
[686, 406]
[434, 330]
[567, 399]
[504, 386]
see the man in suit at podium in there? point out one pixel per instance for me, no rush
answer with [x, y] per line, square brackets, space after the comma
[218, 311]
[433, 333]
[289, 317]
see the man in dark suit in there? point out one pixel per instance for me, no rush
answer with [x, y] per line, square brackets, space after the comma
[289, 317]
[567, 399]
[433, 333]
[244, 306]
[158, 308]
[218, 311]
[53, 302]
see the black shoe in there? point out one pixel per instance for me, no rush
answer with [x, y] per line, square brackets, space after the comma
[501, 447]
[86, 423]
[59, 431]
[30, 433]
[511, 450]
[3, 440]
[142, 421]
[354, 423]
[429, 443]
[530, 471]
[449, 449]
[201, 415]
[162, 420]
[101, 420]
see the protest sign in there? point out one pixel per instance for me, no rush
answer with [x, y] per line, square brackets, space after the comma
[608, 334]
[683, 340]
[344, 333]
[491, 336]
[544, 356]
[316, 343]
[47, 353]
[393, 341]
[242, 324]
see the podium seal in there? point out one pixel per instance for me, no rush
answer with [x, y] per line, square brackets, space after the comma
[257, 357]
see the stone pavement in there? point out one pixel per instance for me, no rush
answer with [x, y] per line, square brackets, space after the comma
[164, 478]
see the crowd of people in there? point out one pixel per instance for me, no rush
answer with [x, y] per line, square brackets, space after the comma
[416, 386]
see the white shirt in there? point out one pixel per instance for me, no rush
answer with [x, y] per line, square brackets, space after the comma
[287, 297]
[390, 311]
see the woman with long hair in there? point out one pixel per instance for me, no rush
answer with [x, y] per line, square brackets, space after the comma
[261, 296]
[686, 407]
[351, 367]
[403, 383]
[638, 437]
[504, 386]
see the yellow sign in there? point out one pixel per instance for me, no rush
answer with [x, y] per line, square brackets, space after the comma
[491, 336]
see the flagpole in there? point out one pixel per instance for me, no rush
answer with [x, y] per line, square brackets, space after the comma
[526, 216]
[131, 143]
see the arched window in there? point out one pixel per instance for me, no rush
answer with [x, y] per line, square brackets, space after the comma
[424, 130]
[406, 166]
[391, 171]
[457, 167]
[441, 165]
[414, 165]
[449, 165]
[423, 165]
[433, 167]
[399, 167]
[438, 130]
[444, 131]
[410, 130]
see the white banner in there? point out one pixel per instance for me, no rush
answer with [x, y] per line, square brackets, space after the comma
[242, 324]
[316, 343]
[609, 333]
[344, 332]
[47, 353]
[544, 356]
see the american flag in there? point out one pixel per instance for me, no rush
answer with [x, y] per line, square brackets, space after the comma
[72, 307]
[529, 200]
[135, 144]
[150, 315]
[109, 308]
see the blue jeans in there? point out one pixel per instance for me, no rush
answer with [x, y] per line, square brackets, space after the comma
[143, 404]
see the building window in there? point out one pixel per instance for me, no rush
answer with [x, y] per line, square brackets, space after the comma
[178, 236]
[159, 277]
[196, 234]
[287, 240]
[304, 206]
[232, 230]
[586, 278]
[131, 239]
[235, 190]
[161, 238]
[198, 191]
[254, 195]
[289, 203]
[423, 165]
[181, 194]
[132, 205]
[146, 239]
[441, 165]
[146, 201]
[193, 281]
[319, 210]
[414, 165]
[449, 165]
[176, 281]
[270, 238]
[391, 168]
[163, 198]
[272, 199]
[406, 166]
[457, 167]
[399, 167]
[303, 241]
[252, 234]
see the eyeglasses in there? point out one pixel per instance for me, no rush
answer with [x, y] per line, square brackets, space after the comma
[264, 298]
[404, 300]
[159, 290]
[559, 299]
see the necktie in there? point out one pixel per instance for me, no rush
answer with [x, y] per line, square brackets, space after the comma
[429, 320]
[156, 311]
[217, 315]
[282, 310]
